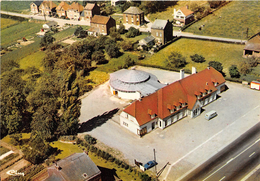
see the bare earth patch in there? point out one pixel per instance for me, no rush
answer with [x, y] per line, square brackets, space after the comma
[69, 41]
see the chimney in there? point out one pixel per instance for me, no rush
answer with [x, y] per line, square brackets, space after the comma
[187, 6]
[174, 11]
[193, 70]
[208, 68]
[181, 74]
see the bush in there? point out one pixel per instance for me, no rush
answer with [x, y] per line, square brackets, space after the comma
[111, 159]
[126, 45]
[121, 29]
[216, 65]
[144, 176]
[233, 71]
[91, 140]
[197, 58]
[132, 32]
[176, 60]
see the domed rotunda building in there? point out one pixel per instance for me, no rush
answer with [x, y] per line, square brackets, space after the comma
[133, 84]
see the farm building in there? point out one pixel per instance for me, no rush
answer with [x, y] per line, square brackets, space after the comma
[173, 102]
[255, 85]
[252, 47]
[133, 84]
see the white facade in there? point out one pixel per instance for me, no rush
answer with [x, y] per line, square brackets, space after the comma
[255, 85]
[125, 95]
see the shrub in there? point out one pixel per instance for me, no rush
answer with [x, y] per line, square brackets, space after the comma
[197, 58]
[132, 32]
[111, 159]
[126, 45]
[233, 71]
[216, 65]
[90, 139]
[176, 60]
[144, 176]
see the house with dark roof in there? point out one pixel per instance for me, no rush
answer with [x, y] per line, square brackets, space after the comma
[62, 8]
[101, 25]
[146, 42]
[77, 166]
[183, 16]
[89, 11]
[133, 16]
[173, 102]
[47, 8]
[252, 47]
[162, 30]
[74, 11]
[34, 6]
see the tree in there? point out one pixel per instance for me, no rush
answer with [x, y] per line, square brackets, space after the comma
[216, 65]
[80, 33]
[197, 58]
[47, 40]
[112, 50]
[99, 57]
[114, 34]
[132, 32]
[215, 4]
[121, 29]
[233, 71]
[176, 60]
[128, 62]
[244, 68]
[126, 45]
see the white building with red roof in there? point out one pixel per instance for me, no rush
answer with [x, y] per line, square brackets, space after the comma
[183, 16]
[173, 102]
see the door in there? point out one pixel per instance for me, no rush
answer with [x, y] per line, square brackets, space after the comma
[153, 125]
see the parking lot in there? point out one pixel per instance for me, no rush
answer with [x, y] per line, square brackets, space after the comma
[238, 109]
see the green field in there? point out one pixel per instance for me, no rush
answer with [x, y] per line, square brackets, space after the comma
[24, 29]
[16, 6]
[64, 33]
[227, 54]
[33, 60]
[5, 23]
[231, 21]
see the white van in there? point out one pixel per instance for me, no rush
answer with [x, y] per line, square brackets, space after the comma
[210, 114]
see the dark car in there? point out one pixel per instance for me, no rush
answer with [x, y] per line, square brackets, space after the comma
[150, 164]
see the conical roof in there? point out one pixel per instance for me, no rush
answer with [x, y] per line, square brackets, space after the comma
[133, 76]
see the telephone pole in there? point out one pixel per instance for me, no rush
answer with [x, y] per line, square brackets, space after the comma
[155, 161]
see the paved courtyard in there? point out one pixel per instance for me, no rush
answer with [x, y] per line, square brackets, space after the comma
[184, 144]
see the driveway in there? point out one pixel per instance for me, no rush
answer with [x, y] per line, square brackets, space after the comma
[189, 141]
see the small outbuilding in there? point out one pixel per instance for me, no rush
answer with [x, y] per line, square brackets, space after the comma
[133, 84]
[255, 85]
[252, 47]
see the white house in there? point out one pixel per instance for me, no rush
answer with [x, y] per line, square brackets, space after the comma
[183, 16]
[173, 102]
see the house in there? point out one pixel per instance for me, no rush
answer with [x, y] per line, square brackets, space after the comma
[74, 11]
[133, 84]
[133, 16]
[62, 8]
[255, 85]
[77, 166]
[47, 8]
[89, 11]
[146, 42]
[183, 16]
[173, 102]
[48, 26]
[101, 25]
[116, 2]
[162, 30]
[252, 47]
[34, 6]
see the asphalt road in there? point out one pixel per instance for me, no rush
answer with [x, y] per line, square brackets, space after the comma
[234, 162]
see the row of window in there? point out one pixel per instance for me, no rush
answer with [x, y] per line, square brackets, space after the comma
[181, 17]
[157, 34]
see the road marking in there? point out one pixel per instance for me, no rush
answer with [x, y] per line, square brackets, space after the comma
[222, 178]
[257, 140]
[230, 161]
[190, 153]
[251, 173]
[252, 154]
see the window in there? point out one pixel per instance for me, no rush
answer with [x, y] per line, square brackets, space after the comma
[156, 33]
[182, 17]
[160, 34]
[137, 18]
[126, 116]
[125, 124]
[177, 16]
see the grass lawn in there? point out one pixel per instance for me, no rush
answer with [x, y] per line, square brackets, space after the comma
[236, 17]
[64, 33]
[17, 32]
[66, 149]
[97, 77]
[227, 54]
[114, 63]
[33, 60]
[5, 23]
[137, 38]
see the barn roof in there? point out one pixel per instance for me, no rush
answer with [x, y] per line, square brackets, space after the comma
[133, 10]
[253, 44]
[186, 11]
[100, 19]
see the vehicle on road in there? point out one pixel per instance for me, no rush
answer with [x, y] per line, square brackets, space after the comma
[150, 164]
[210, 115]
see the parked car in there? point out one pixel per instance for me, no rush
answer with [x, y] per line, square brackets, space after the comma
[150, 164]
[210, 115]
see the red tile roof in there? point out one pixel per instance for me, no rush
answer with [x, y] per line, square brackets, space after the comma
[63, 5]
[76, 6]
[173, 95]
[186, 11]
[90, 6]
